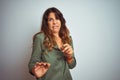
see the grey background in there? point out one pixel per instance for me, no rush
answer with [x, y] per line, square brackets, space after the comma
[94, 26]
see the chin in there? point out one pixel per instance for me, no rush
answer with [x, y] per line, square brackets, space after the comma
[55, 31]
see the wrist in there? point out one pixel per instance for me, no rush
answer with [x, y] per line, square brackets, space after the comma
[69, 58]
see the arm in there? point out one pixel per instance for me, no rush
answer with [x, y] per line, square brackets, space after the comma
[72, 59]
[36, 53]
[68, 51]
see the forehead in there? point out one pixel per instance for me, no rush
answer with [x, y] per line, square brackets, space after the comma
[51, 15]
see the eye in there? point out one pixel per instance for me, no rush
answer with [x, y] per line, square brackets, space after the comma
[50, 19]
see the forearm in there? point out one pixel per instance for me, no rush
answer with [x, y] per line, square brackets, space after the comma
[71, 61]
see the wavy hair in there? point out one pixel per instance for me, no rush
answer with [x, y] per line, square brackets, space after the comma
[49, 40]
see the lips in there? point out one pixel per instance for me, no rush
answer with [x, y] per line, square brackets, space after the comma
[55, 27]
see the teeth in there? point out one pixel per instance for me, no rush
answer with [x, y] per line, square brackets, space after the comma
[55, 27]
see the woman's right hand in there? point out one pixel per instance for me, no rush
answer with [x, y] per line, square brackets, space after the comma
[40, 69]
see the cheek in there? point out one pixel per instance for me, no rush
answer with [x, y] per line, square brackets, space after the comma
[60, 25]
[49, 24]
[50, 27]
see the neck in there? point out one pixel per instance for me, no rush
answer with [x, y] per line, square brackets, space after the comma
[56, 35]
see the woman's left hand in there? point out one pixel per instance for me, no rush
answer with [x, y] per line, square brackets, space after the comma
[67, 50]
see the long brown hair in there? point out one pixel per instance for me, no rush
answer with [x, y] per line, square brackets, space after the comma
[49, 40]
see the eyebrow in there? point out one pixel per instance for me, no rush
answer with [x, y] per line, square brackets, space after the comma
[50, 18]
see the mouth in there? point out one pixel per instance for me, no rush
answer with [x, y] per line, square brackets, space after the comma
[55, 27]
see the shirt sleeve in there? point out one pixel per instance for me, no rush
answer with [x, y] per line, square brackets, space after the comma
[73, 63]
[36, 53]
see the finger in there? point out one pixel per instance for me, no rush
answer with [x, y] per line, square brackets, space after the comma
[47, 65]
[66, 48]
[67, 51]
[37, 63]
[37, 68]
[40, 64]
[43, 64]
[63, 46]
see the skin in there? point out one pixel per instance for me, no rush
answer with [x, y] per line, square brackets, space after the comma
[40, 69]
[54, 25]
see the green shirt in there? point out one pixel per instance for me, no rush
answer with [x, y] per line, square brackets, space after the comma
[59, 69]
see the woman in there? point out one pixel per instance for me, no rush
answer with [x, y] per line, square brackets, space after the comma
[52, 54]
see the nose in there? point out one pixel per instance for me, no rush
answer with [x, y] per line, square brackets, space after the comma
[54, 21]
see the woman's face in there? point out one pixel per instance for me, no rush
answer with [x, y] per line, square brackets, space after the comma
[53, 23]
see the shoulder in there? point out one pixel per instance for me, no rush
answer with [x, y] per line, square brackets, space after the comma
[39, 35]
